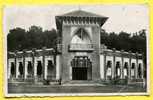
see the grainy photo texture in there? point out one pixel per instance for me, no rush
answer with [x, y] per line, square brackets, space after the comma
[70, 50]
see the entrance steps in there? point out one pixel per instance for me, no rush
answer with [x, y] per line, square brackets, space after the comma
[83, 83]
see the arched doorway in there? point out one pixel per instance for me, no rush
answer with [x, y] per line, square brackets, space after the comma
[81, 68]
[50, 70]
[13, 71]
[133, 70]
[109, 70]
[125, 70]
[139, 71]
[118, 69]
[20, 70]
[39, 69]
[30, 69]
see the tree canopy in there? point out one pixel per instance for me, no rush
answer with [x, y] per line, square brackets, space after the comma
[125, 41]
[35, 37]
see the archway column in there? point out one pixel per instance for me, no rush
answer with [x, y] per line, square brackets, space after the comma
[142, 71]
[26, 72]
[102, 70]
[113, 67]
[137, 65]
[105, 66]
[122, 68]
[45, 68]
[35, 69]
[17, 67]
[58, 65]
[122, 64]
[9, 70]
[129, 67]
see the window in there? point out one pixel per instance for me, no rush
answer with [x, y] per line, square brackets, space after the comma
[81, 37]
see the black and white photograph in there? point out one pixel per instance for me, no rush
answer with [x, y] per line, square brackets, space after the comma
[76, 50]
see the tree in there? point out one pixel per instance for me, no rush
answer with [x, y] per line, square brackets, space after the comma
[35, 37]
[16, 39]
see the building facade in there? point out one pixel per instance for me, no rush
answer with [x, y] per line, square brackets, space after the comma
[78, 56]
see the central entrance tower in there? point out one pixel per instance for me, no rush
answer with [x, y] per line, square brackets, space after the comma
[80, 41]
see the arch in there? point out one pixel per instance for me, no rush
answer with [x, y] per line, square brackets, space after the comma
[20, 68]
[29, 68]
[13, 69]
[39, 69]
[125, 70]
[50, 68]
[133, 70]
[81, 36]
[118, 69]
[108, 69]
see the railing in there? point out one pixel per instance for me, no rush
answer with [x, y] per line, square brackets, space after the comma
[81, 47]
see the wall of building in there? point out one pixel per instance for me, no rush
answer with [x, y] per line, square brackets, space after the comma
[68, 31]
[33, 57]
[124, 60]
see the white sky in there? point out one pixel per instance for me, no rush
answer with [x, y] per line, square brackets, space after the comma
[128, 18]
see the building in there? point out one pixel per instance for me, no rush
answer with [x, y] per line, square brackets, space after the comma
[78, 56]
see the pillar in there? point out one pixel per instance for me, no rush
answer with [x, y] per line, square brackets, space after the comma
[112, 71]
[129, 66]
[17, 68]
[102, 66]
[33, 63]
[35, 68]
[143, 66]
[122, 65]
[44, 73]
[142, 70]
[9, 69]
[105, 66]
[113, 64]
[58, 65]
[45, 69]
[26, 72]
[24, 67]
[70, 72]
[136, 66]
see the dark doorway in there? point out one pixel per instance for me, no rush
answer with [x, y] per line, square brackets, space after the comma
[30, 69]
[51, 70]
[20, 68]
[79, 73]
[39, 69]
[139, 71]
[13, 71]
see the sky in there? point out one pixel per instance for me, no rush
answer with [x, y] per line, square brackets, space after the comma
[128, 18]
